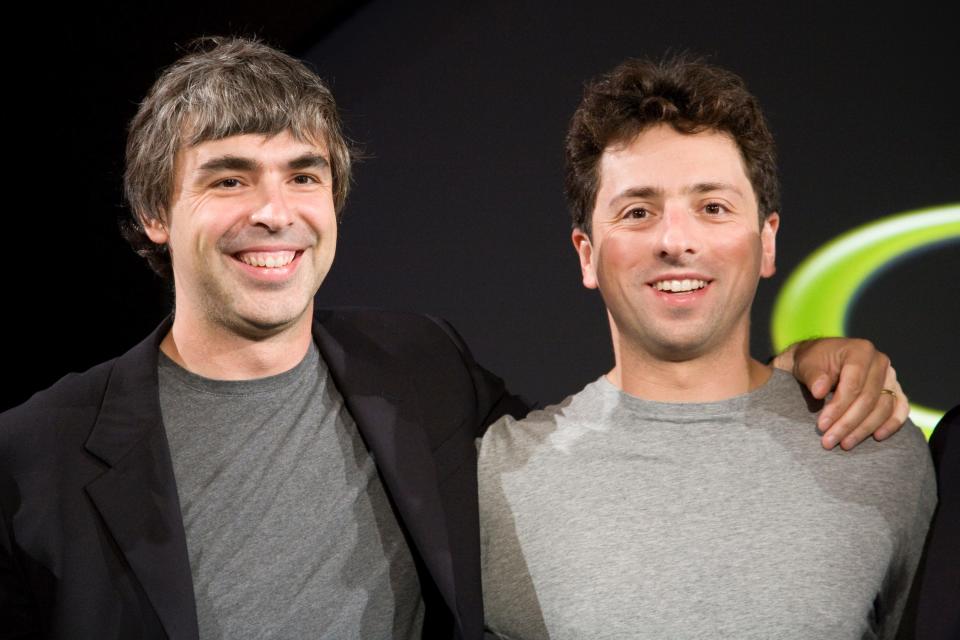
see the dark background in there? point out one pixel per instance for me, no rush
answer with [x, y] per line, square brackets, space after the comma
[457, 210]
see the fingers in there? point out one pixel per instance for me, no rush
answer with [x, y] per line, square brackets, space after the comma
[845, 364]
[875, 410]
[785, 359]
[814, 363]
[867, 399]
[901, 409]
[882, 414]
[820, 386]
[855, 410]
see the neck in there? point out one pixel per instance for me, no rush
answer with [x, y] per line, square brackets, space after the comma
[718, 375]
[220, 354]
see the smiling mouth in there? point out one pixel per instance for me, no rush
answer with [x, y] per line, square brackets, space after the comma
[679, 286]
[267, 259]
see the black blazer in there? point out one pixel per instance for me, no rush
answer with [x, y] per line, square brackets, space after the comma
[91, 536]
[937, 584]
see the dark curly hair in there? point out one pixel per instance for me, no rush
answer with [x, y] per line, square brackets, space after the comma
[686, 93]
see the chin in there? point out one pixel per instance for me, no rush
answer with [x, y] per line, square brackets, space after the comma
[679, 349]
[264, 323]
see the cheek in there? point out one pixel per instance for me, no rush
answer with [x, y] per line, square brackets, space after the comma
[618, 252]
[323, 226]
[319, 214]
[219, 224]
[741, 249]
[329, 221]
[181, 240]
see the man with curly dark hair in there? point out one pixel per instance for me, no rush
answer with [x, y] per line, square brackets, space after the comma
[682, 495]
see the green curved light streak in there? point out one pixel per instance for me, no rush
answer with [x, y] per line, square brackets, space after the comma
[817, 297]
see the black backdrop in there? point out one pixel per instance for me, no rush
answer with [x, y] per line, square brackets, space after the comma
[457, 210]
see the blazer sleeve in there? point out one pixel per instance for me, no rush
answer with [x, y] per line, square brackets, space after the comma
[494, 400]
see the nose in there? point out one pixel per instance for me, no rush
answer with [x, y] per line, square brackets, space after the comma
[678, 236]
[272, 211]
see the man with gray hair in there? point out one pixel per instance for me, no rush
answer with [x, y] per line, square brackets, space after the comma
[254, 468]
[257, 467]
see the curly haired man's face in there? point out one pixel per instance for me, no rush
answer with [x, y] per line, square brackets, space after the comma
[676, 248]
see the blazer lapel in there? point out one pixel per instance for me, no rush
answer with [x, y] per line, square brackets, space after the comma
[137, 496]
[383, 404]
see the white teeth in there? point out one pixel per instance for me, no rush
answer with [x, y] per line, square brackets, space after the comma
[269, 260]
[677, 286]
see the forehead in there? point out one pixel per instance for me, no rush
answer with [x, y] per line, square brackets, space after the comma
[662, 157]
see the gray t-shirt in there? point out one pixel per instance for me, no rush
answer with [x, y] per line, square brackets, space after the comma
[608, 516]
[289, 530]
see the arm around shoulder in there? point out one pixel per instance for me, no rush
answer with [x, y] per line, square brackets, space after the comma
[494, 400]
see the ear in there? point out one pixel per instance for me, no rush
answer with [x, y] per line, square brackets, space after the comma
[155, 229]
[768, 243]
[581, 242]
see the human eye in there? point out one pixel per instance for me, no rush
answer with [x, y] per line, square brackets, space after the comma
[227, 183]
[636, 213]
[304, 178]
[714, 208]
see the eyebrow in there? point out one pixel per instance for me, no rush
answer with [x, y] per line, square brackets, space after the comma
[239, 163]
[309, 161]
[637, 192]
[227, 163]
[698, 188]
[708, 187]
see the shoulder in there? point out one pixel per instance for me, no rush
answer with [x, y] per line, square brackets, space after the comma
[379, 321]
[508, 441]
[908, 453]
[897, 470]
[84, 392]
[895, 475]
[75, 393]
[792, 411]
[391, 332]
[389, 353]
[413, 351]
[43, 439]
[62, 415]
[903, 458]
[784, 398]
